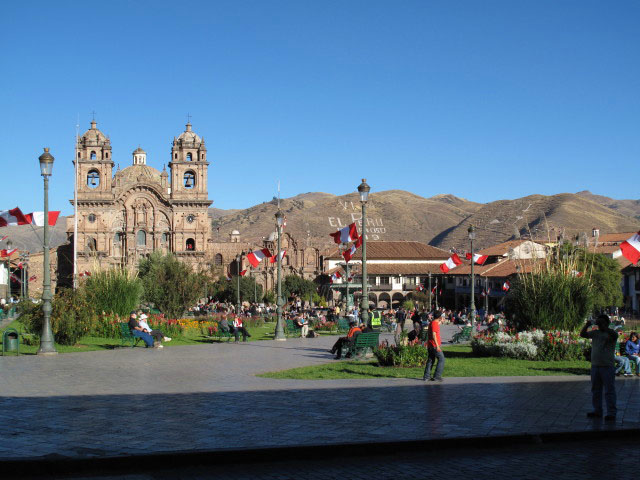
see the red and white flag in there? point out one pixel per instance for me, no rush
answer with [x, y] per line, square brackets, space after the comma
[4, 238]
[85, 274]
[7, 253]
[350, 278]
[477, 259]
[9, 218]
[347, 254]
[243, 272]
[347, 234]
[451, 263]
[576, 273]
[37, 218]
[335, 276]
[274, 258]
[483, 294]
[506, 286]
[631, 248]
[15, 278]
[420, 287]
[33, 278]
[256, 257]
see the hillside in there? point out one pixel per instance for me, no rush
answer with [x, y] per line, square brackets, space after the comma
[630, 208]
[540, 216]
[441, 220]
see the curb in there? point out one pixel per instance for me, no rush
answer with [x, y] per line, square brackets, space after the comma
[130, 464]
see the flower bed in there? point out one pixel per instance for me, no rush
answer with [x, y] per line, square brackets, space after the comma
[533, 345]
[401, 355]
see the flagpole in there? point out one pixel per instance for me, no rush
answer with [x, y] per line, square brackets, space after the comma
[75, 209]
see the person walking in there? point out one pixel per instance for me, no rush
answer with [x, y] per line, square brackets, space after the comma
[434, 350]
[603, 366]
[401, 316]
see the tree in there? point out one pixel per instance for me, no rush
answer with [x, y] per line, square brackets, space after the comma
[227, 290]
[172, 286]
[605, 277]
[113, 291]
[269, 297]
[296, 285]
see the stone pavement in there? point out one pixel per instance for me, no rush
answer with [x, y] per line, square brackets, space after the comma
[207, 398]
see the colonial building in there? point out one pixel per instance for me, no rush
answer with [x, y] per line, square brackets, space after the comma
[123, 217]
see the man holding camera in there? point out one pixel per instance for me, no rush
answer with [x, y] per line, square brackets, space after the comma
[603, 366]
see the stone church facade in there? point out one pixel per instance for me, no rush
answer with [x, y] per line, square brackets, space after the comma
[126, 215]
[123, 217]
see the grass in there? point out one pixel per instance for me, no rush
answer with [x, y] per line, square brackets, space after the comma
[92, 344]
[460, 362]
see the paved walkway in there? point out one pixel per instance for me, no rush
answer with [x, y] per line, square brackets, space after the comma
[207, 397]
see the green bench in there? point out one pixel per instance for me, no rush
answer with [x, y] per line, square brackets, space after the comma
[363, 342]
[463, 335]
[126, 336]
[220, 334]
[343, 325]
[291, 329]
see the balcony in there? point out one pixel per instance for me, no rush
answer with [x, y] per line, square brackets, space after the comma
[381, 288]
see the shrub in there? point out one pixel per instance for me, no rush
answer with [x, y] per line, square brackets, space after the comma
[71, 317]
[401, 355]
[115, 291]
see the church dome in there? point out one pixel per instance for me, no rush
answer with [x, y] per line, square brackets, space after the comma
[93, 136]
[235, 232]
[138, 150]
[138, 173]
[189, 136]
[273, 237]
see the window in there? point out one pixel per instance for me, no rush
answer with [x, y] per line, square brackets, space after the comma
[191, 244]
[142, 238]
[165, 237]
[92, 245]
[384, 281]
[218, 259]
[93, 155]
[106, 155]
[93, 178]
[189, 157]
[117, 238]
[175, 156]
[189, 179]
[78, 154]
[91, 218]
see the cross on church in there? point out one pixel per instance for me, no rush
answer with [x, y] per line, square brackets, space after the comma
[188, 118]
[93, 116]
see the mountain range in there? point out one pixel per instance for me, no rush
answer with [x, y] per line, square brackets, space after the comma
[441, 220]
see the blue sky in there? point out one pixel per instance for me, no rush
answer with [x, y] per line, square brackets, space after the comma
[482, 99]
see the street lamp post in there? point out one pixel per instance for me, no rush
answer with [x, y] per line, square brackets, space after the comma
[429, 291]
[486, 296]
[47, 346]
[472, 313]
[363, 190]
[239, 269]
[279, 335]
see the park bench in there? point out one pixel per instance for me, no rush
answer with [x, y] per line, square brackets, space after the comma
[343, 325]
[463, 335]
[291, 328]
[126, 336]
[363, 342]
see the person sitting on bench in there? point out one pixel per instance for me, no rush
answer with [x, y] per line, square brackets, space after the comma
[137, 331]
[354, 331]
[238, 329]
[157, 334]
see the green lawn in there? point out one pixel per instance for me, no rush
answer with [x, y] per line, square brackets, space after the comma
[460, 362]
[90, 344]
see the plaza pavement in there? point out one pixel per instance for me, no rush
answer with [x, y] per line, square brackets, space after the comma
[206, 398]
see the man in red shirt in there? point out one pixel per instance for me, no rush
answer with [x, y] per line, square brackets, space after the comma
[354, 331]
[435, 352]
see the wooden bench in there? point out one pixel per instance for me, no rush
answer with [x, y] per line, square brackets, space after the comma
[363, 342]
[464, 334]
[126, 336]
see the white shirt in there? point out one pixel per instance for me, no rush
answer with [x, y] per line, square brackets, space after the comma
[144, 325]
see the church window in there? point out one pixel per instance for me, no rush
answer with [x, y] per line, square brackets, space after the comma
[218, 259]
[142, 238]
[189, 179]
[93, 178]
[190, 218]
[91, 217]
[117, 238]
[191, 244]
[78, 154]
[189, 157]
[165, 237]
[106, 155]
[175, 156]
[93, 155]
[92, 245]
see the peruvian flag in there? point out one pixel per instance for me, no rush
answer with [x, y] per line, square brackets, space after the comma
[347, 234]
[7, 253]
[451, 263]
[335, 276]
[631, 248]
[433, 290]
[256, 257]
[274, 258]
[350, 278]
[243, 272]
[37, 218]
[347, 254]
[9, 218]
[483, 294]
[420, 287]
[33, 278]
[15, 278]
[506, 286]
[477, 259]
[4, 238]
[576, 273]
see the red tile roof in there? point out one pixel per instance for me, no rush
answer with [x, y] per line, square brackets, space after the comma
[615, 237]
[502, 248]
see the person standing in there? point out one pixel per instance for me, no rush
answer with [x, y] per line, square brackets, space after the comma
[434, 350]
[401, 316]
[603, 366]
